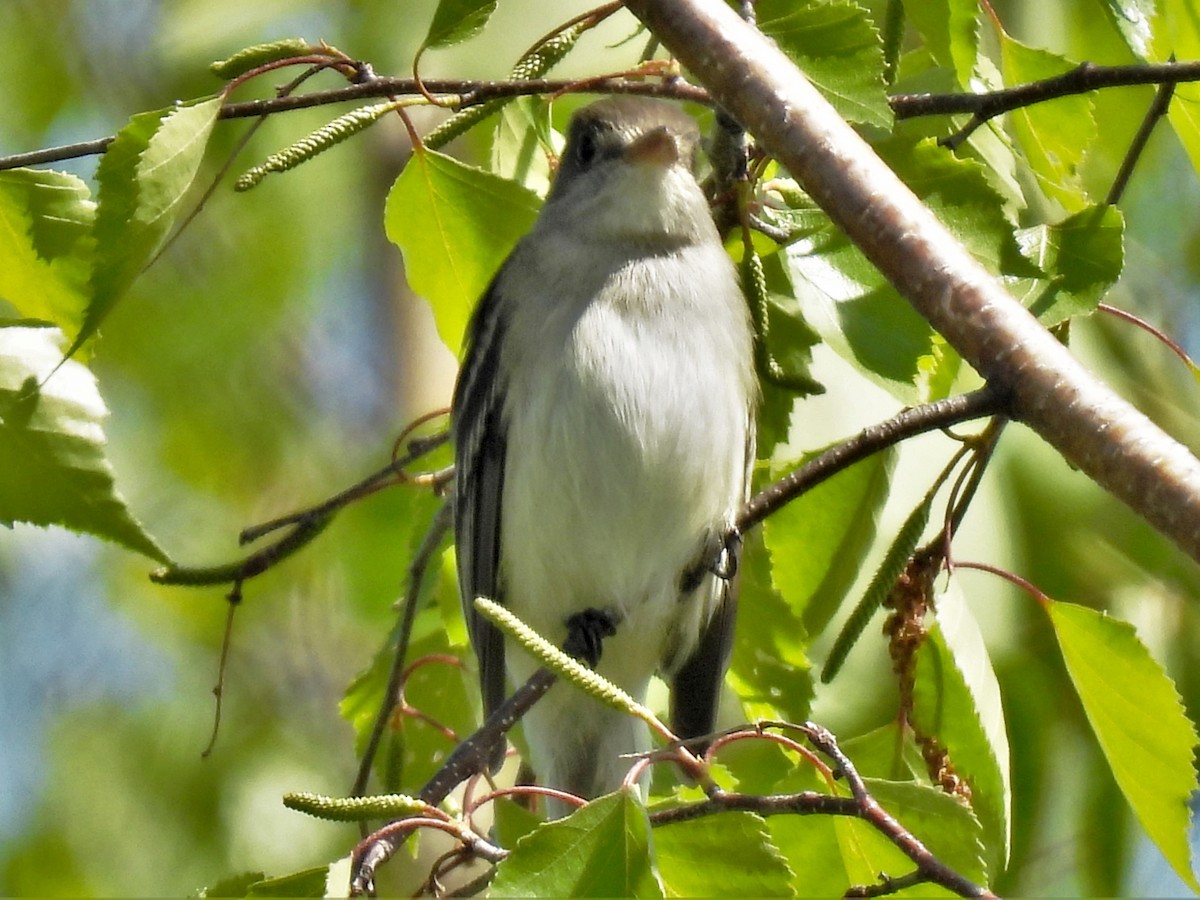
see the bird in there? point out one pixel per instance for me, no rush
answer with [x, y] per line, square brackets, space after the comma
[604, 429]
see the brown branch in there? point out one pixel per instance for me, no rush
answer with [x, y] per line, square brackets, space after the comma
[861, 805]
[1158, 109]
[907, 424]
[1094, 429]
[1082, 79]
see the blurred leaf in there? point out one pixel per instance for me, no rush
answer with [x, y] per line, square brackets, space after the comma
[45, 244]
[1177, 33]
[440, 688]
[1135, 19]
[1139, 721]
[455, 21]
[942, 822]
[143, 177]
[1082, 257]
[819, 540]
[951, 32]
[455, 225]
[729, 855]
[305, 883]
[51, 434]
[1054, 135]
[601, 850]
[956, 699]
[234, 885]
[836, 46]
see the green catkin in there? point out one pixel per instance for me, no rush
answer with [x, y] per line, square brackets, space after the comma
[534, 64]
[259, 55]
[881, 585]
[353, 809]
[317, 142]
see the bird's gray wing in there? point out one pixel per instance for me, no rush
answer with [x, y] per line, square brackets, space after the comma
[480, 440]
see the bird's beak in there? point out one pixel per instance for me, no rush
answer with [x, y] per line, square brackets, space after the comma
[655, 147]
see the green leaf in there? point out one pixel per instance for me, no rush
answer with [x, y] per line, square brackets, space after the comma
[769, 670]
[730, 855]
[837, 47]
[413, 746]
[601, 850]
[1177, 32]
[956, 699]
[1082, 257]
[52, 444]
[859, 314]
[45, 245]
[943, 823]
[454, 225]
[951, 31]
[455, 21]
[1135, 20]
[305, 883]
[818, 541]
[1053, 135]
[1139, 721]
[143, 178]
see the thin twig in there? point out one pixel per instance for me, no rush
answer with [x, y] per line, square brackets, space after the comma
[1158, 109]
[906, 424]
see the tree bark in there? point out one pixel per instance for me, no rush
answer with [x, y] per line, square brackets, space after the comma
[1093, 428]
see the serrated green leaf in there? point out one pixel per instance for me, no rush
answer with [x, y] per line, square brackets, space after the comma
[52, 444]
[945, 825]
[769, 670]
[455, 21]
[837, 47]
[601, 850]
[234, 885]
[45, 245]
[454, 224]
[951, 32]
[818, 541]
[956, 699]
[512, 821]
[730, 855]
[1055, 135]
[144, 175]
[860, 315]
[1082, 257]
[1139, 722]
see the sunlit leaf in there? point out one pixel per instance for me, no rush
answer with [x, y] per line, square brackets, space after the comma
[45, 245]
[943, 823]
[956, 699]
[458, 20]
[859, 314]
[836, 46]
[601, 850]
[819, 540]
[730, 855]
[1082, 257]
[455, 225]
[769, 670]
[1177, 33]
[143, 177]
[305, 883]
[951, 32]
[1139, 721]
[51, 433]
[1055, 135]
[1135, 20]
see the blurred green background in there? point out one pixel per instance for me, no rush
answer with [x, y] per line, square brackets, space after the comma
[271, 357]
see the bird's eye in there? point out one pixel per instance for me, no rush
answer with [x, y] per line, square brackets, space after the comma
[586, 149]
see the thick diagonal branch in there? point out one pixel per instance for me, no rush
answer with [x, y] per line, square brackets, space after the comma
[1092, 427]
